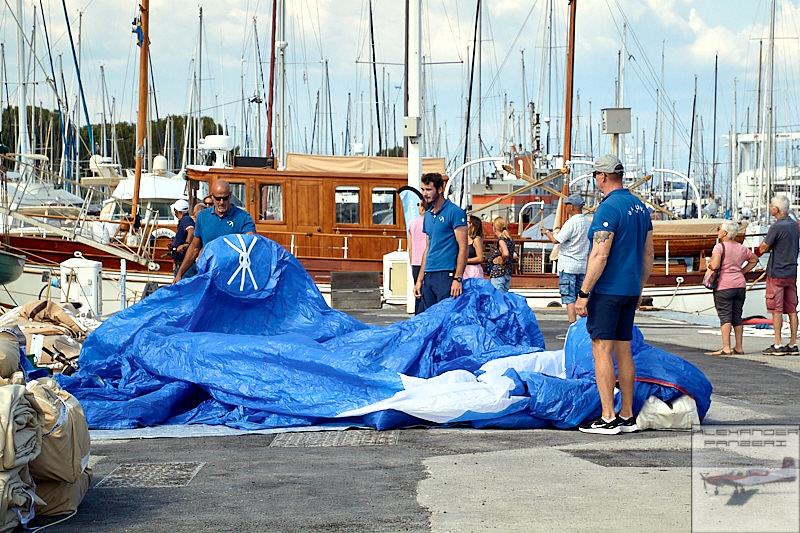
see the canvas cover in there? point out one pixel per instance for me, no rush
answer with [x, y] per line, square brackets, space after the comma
[17, 498]
[250, 343]
[691, 227]
[9, 354]
[65, 435]
[355, 165]
[20, 427]
[59, 497]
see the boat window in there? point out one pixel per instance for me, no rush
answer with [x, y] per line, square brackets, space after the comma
[238, 194]
[271, 206]
[347, 205]
[383, 212]
[164, 209]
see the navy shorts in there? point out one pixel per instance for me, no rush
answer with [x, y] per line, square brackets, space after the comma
[610, 317]
[435, 288]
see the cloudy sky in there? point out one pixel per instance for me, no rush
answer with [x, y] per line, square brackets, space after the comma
[337, 31]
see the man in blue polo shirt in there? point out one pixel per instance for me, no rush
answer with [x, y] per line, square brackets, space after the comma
[445, 257]
[224, 219]
[619, 264]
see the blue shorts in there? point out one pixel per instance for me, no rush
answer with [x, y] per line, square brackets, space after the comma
[435, 288]
[610, 317]
[568, 286]
[501, 283]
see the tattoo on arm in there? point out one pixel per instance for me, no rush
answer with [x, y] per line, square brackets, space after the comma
[601, 236]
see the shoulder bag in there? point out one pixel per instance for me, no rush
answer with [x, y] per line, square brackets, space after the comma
[711, 279]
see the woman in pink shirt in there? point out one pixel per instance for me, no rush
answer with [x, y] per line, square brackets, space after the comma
[417, 243]
[732, 260]
[474, 268]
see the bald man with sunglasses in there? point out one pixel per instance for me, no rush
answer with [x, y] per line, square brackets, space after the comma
[224, 219]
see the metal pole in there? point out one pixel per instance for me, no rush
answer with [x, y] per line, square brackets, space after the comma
[414, 113]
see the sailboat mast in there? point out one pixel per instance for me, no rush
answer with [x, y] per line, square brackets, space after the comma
[280, 121]
[271, 80]
[769, 156]
[478, 91]
[22, 96]
[375, 80]
[691, 153]
[103, 100]
[570, 71]
[141, 119]
[714, 133]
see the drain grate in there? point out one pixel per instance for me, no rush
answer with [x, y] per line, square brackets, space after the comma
[653, 458]
[151, 475]
[320, 439]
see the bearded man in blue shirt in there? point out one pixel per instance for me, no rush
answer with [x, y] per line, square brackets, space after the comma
[445, 257]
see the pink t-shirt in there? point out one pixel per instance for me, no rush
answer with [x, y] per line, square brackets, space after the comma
[730, 275]
[418, 241]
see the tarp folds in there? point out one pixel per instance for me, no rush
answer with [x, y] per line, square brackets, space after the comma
[250, 343]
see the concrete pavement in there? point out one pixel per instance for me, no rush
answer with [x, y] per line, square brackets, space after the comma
[440, 479]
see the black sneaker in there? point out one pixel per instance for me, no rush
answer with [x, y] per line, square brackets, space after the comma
[627, 425]
[772, 350]
[791, 350]
[601, 426]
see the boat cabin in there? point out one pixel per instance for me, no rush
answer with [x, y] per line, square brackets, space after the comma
[332, 212]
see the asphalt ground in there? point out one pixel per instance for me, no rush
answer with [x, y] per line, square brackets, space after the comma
[458, 479]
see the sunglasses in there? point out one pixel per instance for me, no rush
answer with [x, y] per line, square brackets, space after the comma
[221, 198]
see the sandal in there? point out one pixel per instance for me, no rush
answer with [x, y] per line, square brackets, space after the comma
[738, 352]
[719, 352]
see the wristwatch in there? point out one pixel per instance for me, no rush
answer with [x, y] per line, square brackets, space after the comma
[582, 294]
[457, 278]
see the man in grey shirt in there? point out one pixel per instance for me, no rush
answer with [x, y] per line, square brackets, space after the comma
[783, 242]
[573, 252]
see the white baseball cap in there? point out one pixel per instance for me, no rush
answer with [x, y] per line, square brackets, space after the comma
[181, 206]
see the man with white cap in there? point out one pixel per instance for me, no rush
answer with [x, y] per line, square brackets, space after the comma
[619, 264]
[573, 252]
[183, 234]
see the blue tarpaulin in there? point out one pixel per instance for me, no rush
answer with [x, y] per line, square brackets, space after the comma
[250, 343]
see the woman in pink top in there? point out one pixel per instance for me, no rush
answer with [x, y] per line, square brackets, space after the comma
[730, 292]
[474, 268]
[417, 243]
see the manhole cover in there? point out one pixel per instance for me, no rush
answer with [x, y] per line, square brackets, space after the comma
[151, 475]
[653, 458]
[318, 439]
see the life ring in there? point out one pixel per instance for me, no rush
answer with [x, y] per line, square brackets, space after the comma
[162, 232]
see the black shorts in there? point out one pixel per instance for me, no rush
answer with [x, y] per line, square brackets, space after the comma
[610, 317]
[729, 304]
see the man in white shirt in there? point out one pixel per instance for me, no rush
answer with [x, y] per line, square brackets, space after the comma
[573, 252]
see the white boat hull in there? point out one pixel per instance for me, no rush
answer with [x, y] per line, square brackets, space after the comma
[686, 298]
